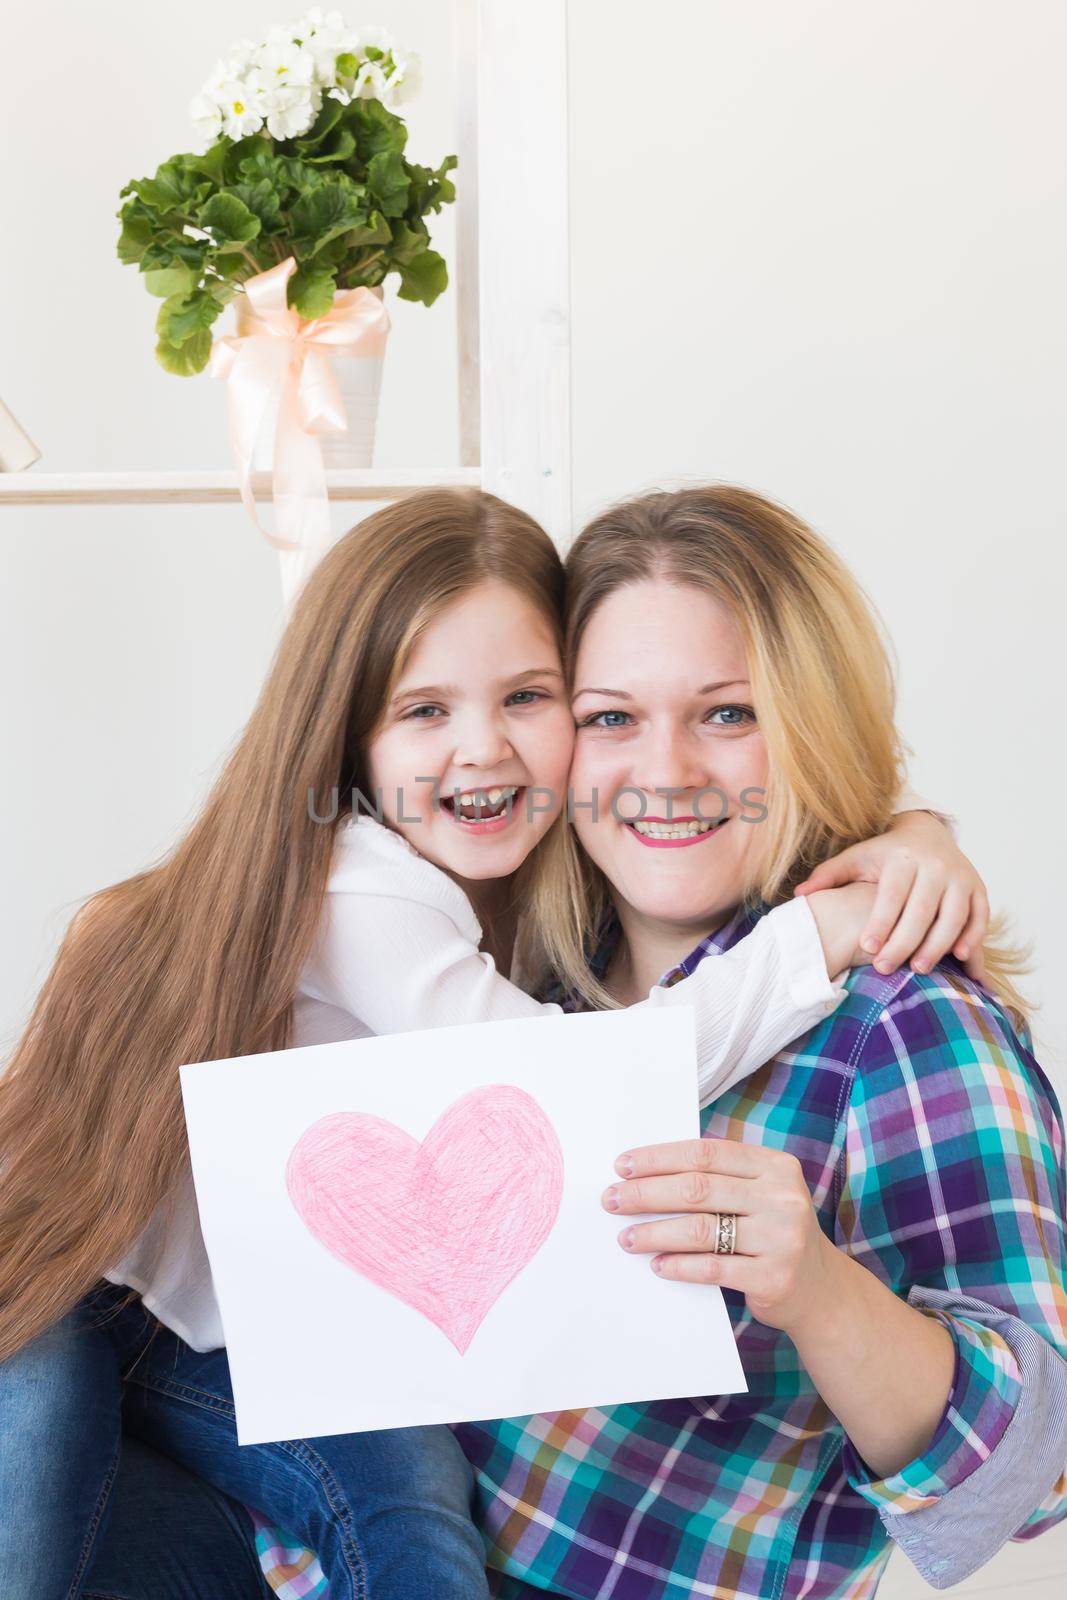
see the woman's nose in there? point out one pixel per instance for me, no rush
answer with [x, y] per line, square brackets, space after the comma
[673, 760]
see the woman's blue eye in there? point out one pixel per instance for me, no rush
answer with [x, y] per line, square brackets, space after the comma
[604, 719]
[733, 716]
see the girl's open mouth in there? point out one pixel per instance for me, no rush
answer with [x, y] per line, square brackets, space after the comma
[659, 834]
[483, 811]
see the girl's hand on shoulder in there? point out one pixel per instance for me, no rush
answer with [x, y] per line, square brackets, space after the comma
[782, 1262]
[930, 898]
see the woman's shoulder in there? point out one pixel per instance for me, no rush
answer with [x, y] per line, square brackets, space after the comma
[941, 1046]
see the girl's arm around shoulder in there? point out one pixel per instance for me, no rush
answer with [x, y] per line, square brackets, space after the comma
[398, 948]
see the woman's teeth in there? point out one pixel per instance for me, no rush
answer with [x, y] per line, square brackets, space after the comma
[674, 830]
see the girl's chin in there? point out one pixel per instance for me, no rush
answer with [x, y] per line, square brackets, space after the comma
[483, 858]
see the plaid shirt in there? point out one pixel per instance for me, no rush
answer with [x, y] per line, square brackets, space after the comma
[933, 1147]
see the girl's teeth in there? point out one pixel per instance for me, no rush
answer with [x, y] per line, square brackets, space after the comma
[480, 804]
[672, 830]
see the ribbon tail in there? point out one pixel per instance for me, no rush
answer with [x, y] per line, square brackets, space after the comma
[301, 502]
[257, 371]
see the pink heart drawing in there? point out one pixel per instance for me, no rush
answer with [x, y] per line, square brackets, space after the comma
[444, 1225]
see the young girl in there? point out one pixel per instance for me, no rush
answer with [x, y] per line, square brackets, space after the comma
[422, 662]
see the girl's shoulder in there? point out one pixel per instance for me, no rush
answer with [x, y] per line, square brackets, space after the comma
[371, 860]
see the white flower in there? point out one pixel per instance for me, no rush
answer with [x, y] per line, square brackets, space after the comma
[371, 82]
[241, 57]
[206, 115]
[406, 80]
[374, 37]
[220, 73]
[325, 46]
[286, 64]
[282, 79]
[290, 111]
[242, 104]
[314, 22]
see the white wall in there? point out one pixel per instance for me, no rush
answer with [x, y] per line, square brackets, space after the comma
[133, 641]
[818, 247]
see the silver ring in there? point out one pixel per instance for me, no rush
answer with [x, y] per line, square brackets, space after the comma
[726, 1233]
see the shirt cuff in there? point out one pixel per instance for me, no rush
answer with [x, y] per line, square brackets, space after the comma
[986, 1388]
[803, 963]
[908, 800]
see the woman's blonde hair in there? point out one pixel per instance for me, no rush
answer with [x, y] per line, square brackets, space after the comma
[198, 957]
[821, 681]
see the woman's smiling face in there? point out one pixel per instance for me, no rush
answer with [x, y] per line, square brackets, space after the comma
[666, 730]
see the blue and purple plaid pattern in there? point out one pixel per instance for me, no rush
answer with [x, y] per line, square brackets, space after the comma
[933, 1148]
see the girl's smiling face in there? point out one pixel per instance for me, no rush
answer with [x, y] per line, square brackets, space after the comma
[480, 709]
[666, 730]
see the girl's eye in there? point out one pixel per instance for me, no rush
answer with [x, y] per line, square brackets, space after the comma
[526, 697]
[422, 714]
[732, 716]
[607, 719]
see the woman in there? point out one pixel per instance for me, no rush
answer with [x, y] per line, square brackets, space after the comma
[883, 1202]
[425, 647]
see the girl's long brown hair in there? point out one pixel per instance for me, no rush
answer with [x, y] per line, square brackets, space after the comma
[198, 957]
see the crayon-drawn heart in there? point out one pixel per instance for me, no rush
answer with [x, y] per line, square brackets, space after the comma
[444, 1225]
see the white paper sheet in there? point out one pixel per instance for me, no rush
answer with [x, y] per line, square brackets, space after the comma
[316, 1347]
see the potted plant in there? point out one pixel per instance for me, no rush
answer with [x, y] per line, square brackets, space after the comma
[301, 187]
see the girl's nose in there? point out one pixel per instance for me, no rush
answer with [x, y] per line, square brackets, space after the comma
[483, 742]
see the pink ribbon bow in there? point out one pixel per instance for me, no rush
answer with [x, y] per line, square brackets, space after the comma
[285, 356]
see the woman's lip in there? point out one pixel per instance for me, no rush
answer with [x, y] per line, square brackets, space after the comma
[674, 844]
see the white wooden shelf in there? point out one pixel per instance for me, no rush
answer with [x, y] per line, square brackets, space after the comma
[215, 488]
[513, 309]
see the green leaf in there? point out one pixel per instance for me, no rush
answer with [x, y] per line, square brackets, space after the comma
[281, 172]
[175, 249]
[431, 190]
[346, 65]
[424, 278]
[328, 118]
[232, 267]
[183, 317]
[311, 291]
[335, 207]
[175, 187]
[340, 145]
[261, 198]
[376, 129]
[185, 360]
[136, 236]
[389, 182]
[408, 242]
[165, 282]
[212, 164]
[228, 220]
[374, 231]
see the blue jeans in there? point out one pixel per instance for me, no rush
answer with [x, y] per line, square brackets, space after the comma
[170, 1536]
[387, 1512]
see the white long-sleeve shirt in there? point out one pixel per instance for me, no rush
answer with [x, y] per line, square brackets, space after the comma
[397, 949]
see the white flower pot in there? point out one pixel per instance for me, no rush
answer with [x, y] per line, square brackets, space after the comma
[359, 379]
